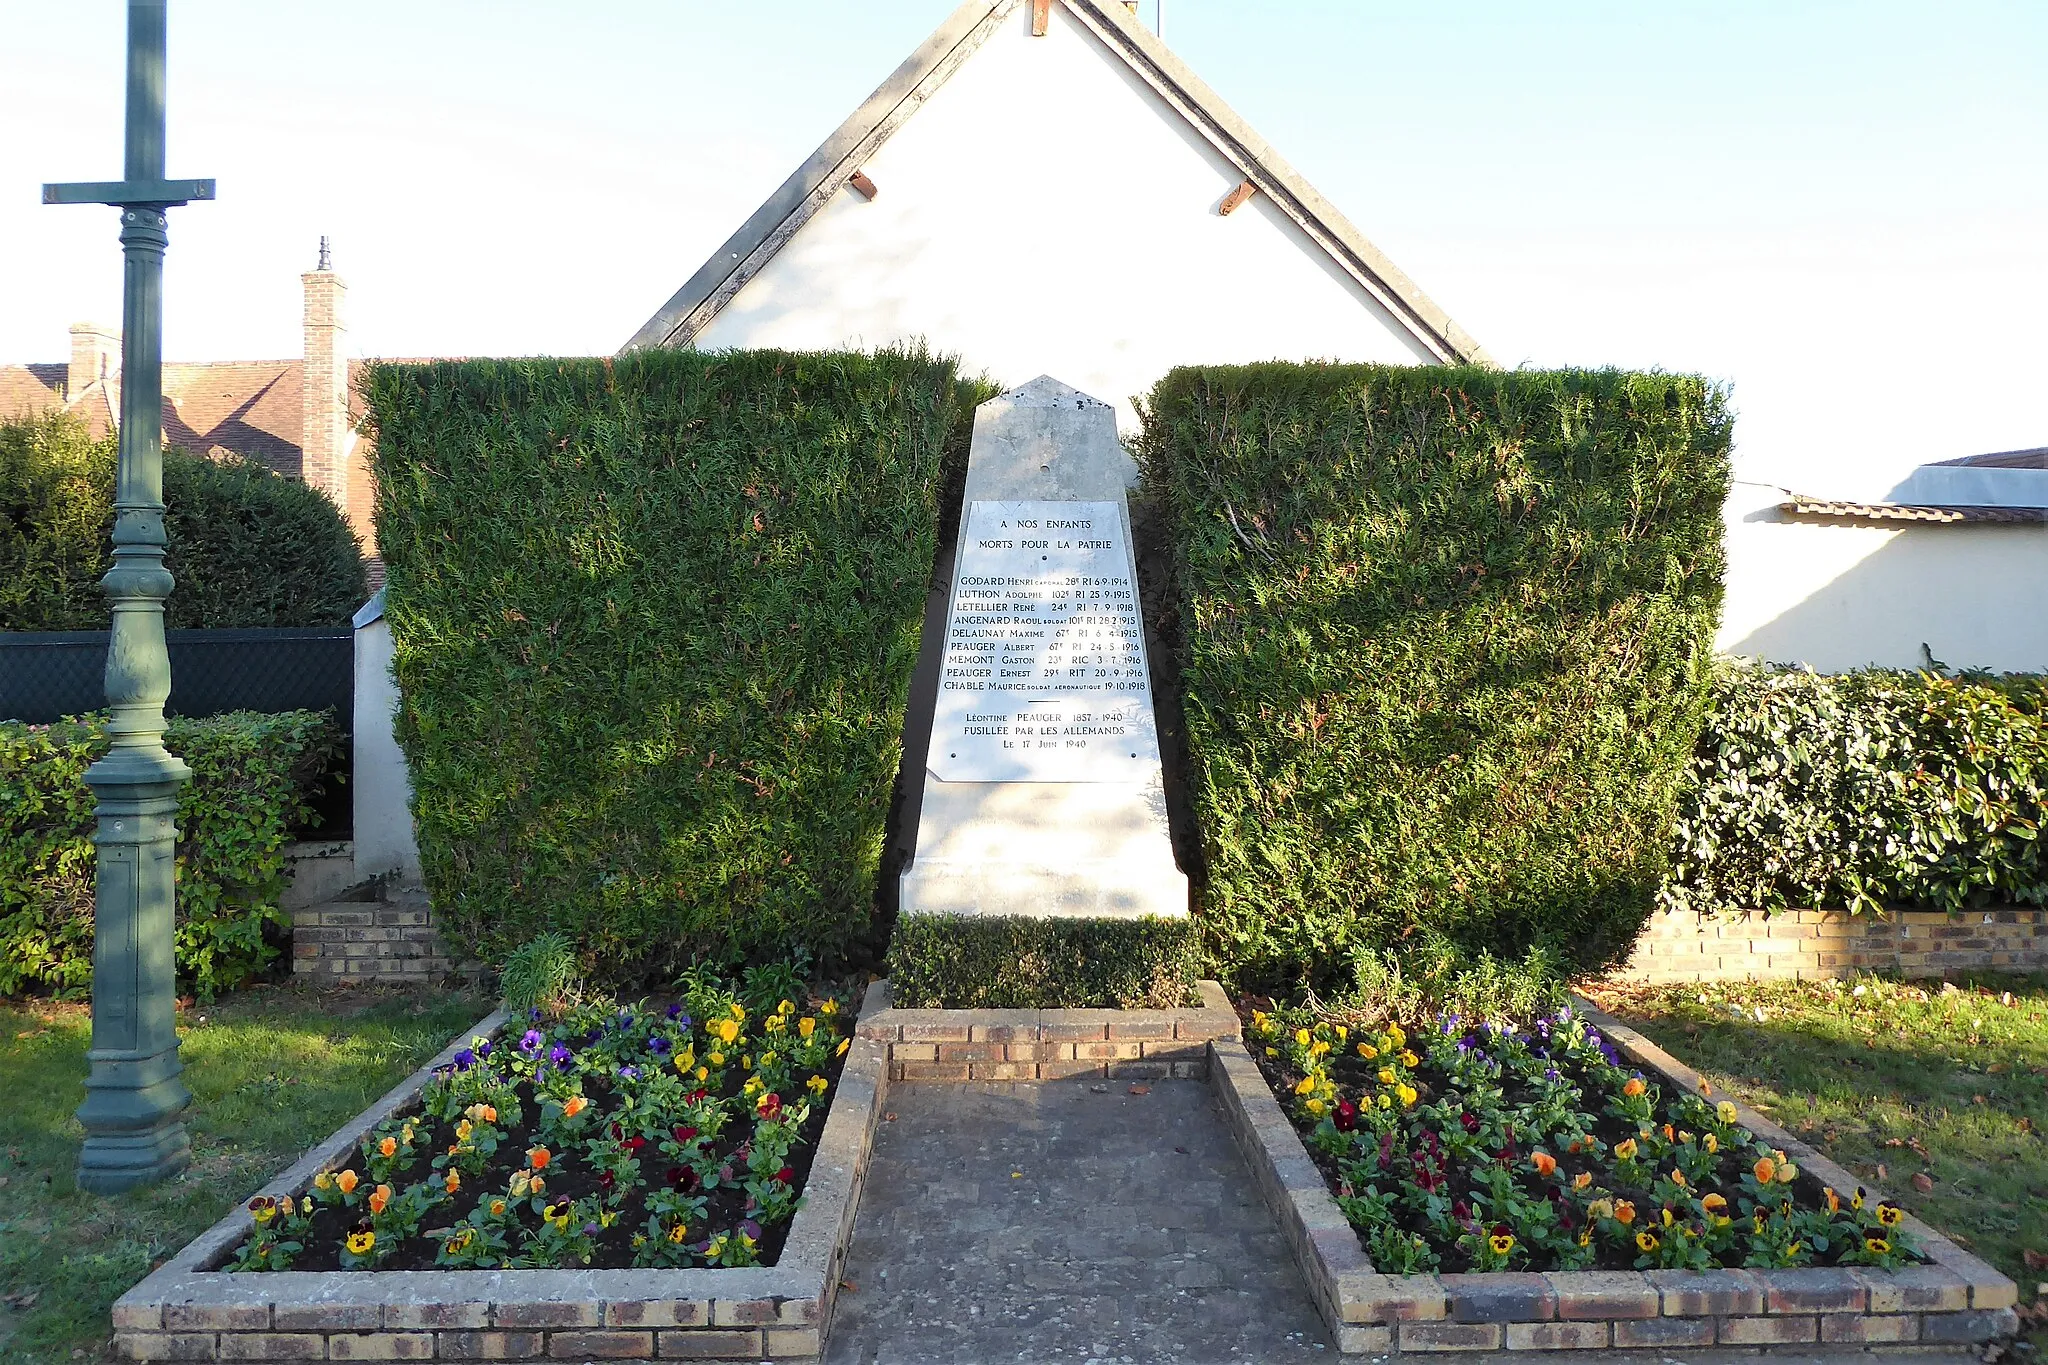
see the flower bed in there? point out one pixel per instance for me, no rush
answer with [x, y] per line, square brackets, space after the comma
[1476, 1148]
[609, 1138]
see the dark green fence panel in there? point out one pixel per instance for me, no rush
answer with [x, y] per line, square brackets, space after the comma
[48, 674]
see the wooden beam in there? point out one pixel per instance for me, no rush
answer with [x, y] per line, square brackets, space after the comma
[1041, 15]
[860, 182]
[1234, 200]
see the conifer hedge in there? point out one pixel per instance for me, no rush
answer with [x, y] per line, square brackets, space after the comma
[1445, 636]
[654, 622]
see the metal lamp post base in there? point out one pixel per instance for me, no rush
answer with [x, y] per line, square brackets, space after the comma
[112, 1161]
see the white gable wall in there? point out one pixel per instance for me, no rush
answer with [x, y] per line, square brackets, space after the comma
[1837, 595]
[1046, 212]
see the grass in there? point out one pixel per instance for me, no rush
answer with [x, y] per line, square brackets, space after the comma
[1937, 1093]
[271, 1070]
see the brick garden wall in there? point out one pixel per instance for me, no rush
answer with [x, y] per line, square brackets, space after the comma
[1686, 946]
[369, 941]
[1046, 1045]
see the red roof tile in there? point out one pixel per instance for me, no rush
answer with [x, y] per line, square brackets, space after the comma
[26, 390]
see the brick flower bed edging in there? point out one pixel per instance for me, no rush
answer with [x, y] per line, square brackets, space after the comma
[1046, 1045]
[1955, 1300]
[191, 1310]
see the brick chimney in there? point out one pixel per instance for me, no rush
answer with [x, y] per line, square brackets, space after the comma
[324, 435]
[95, 355]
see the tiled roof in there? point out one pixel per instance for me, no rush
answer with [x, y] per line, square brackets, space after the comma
[26, 390]
[249, 408]
[1893, 511]
[2005, 459]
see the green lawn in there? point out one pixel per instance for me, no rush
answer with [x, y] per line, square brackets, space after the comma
[272, 1070]
[1938, 1093]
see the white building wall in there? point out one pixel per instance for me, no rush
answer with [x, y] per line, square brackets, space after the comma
[1841, 595]
[385, 846]
[1047, 213]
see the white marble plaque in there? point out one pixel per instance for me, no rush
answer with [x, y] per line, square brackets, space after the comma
[1044, 678]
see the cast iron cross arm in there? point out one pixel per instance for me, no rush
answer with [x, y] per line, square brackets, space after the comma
[122, 193]
[134, 1098]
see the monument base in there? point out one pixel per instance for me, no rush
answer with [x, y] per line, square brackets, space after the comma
[1094, 849]
[1083, 889]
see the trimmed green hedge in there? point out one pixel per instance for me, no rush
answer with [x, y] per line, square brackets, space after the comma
[247, 547]
[1865, 790]
[1444, 645]
[654, 621]
[254, 778]
[1031, 962]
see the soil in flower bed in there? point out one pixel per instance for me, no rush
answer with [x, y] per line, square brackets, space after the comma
[1477, 1147]
[610, 1137]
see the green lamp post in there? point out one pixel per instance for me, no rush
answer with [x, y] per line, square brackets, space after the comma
[134, 1100]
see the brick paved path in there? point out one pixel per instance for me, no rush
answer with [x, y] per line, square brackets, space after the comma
[1056, 1222]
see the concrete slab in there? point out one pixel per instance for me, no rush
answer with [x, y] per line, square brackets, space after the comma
[1066, 1221]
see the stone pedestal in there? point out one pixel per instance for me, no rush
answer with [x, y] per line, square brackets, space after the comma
[1042, 792]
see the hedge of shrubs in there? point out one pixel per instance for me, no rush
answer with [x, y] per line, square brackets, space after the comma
[654, 621]
[1445, 644]
[254, 778]
[1054, 962]
[248, 547]
[1862, 790]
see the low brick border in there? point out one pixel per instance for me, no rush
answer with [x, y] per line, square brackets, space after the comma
[191, 1310]
[1736, 945]
[1046, 1045]
[1956, 1300]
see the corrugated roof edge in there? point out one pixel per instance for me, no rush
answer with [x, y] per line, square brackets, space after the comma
[747, 251]
[2037, 458]
[1893, 511]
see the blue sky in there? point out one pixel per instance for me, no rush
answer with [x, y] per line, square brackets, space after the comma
[1840, 209]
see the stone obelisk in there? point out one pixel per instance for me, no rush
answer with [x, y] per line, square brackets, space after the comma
[1043, 792]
